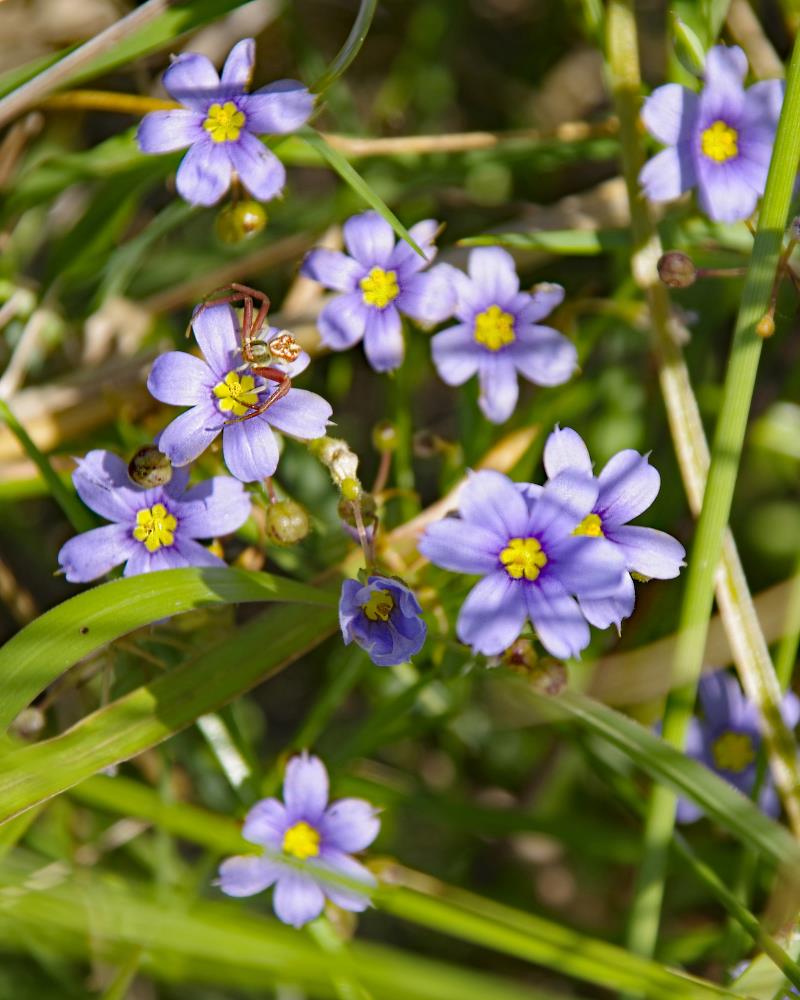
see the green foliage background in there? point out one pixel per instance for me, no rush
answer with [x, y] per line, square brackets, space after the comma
[512, 823]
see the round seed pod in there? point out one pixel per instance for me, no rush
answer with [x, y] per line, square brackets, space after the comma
[241, 221]
[677, 269]
[150, 467]
[287, 522]
[368, 510]
[384, 436]
[765, 326]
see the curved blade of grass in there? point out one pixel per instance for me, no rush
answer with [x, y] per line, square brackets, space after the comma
[442, 908]
[339, 162]
[56, 640]
[77, 515]
[155, 711]
[425, 901]
[226, 944]
[350, 49]
[667, 766]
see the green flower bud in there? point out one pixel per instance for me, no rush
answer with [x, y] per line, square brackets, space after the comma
[149, 467]
[384, 436]
[287, 522]
[241, 221]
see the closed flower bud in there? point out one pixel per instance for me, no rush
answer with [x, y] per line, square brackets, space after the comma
[337, 456]
[149, 467]
[384, 436]
[794, 228]
[241, 221]
[287, 522]
[676, 269]
[765, 326]
[368, 510]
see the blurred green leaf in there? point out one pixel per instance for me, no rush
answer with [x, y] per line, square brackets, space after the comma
[56, 640]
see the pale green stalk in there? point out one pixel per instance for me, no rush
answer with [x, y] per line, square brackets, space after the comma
[712, 540]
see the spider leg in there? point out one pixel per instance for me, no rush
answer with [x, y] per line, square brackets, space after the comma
[284, 384]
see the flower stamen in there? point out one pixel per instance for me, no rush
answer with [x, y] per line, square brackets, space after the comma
[379, 606]
[155, 527]
[720, 142]
[733, 751]
[494, 328]
[224, 122]
[301, 841]
[236, 393]
[523, 557]
[591, 526]
[379, 287]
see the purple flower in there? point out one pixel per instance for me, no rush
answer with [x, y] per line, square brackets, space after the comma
[219, 123]
[531, 561]
[728, 740]
[380, 279]
[304, 828]
[383, 617]
[498, 334]
[218, 393]
[627, 486]
[151, 528]
[719, 141]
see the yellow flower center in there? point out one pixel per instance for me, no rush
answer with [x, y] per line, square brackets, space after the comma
[155, 526]
[591, 525]
[733, 751]
[379, 606]
[380, 287]
[719, 142]
[523, 557]
[301, 841]
[224, 122]
[494, 328]
[234, 393]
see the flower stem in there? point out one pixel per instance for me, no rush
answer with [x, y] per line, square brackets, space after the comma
[713, 540]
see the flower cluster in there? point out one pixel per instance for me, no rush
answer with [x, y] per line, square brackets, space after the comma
[383, 617]
[728, 740]
[152, 528]
[304, 842]
[221, 393]
[559, 555]
[219, 122]
[719, 141]
[379, 279]
[498, 334]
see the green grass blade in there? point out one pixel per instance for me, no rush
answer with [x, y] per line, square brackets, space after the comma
[77, 515]
[571, 242]
[155, 711]
[426, 902]
[666, 765]
[339, 162]
[350, 49]
[227, 944]
[56, 640]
